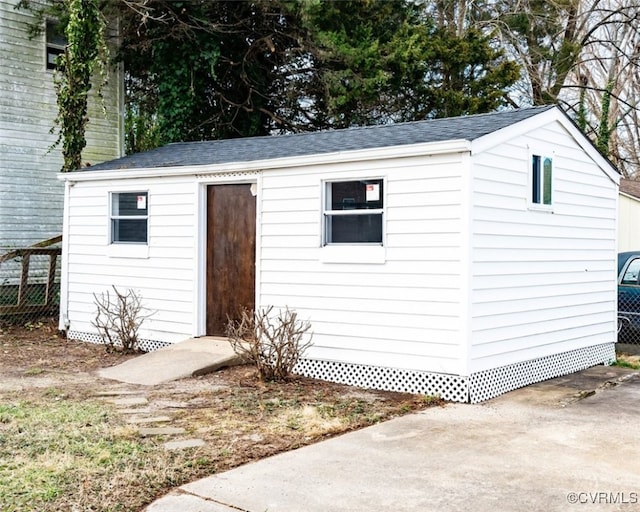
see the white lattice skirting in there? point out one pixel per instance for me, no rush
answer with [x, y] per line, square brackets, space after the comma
[90, 337]
[494, 382]
[475, 388]
[449, 387]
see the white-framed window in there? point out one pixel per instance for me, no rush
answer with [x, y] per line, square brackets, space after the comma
[353, 212]
[541, 180]
[129, 218]
[56, 43]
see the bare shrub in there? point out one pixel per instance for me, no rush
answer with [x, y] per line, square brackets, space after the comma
[272, 343]
[118, 322]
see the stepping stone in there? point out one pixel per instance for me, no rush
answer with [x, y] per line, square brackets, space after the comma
[139, 410]
[181, 445]
[155, 419]
[194, 403]
[160, 431]
[135, 400]
[171, 404]
[116, 392]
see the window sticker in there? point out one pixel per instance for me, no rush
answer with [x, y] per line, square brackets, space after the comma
[373, 192]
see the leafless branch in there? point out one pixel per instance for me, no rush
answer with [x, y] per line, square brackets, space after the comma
[273, 343]
[118, 319]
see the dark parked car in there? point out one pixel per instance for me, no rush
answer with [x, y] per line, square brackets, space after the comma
[629, 297]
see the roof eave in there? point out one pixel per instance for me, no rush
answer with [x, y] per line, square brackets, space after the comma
[361, 155]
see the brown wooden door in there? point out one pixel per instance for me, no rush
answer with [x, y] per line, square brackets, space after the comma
[231, 249]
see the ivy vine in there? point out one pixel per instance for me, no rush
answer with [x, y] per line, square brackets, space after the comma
[85, 53]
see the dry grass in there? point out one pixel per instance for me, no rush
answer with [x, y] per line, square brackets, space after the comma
[628, 361]
[64, 446]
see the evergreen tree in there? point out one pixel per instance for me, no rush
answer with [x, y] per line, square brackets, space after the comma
[377, 62]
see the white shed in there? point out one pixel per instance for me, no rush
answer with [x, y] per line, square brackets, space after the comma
[629, 216]
[461, 257]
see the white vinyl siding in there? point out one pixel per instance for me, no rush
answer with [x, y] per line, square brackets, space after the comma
[31, 196]
[543, 282]
[165, 280]
[404, 312]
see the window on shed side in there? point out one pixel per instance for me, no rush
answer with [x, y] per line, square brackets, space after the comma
[56, 43]
[353, 212]
[542, 179]
[129, 217]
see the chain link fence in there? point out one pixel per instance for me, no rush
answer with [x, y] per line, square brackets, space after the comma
[30, 282]
[629, 318]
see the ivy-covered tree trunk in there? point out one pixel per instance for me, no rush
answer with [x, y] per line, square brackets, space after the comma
[604, 130]
[85, 44]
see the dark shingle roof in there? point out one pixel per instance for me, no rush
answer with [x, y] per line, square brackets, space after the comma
[313, 143]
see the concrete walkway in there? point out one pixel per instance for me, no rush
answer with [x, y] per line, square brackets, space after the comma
[571, 443]
[195, 356]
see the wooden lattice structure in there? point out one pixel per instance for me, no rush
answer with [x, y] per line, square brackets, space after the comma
[24, 300]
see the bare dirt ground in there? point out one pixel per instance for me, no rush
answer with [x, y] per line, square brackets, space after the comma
[230, 416]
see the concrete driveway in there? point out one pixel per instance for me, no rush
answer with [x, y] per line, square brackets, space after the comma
[571, 443]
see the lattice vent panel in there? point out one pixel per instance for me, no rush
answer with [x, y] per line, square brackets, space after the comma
[220, 176]
[491, 383]
[448, 387]
[90, 337]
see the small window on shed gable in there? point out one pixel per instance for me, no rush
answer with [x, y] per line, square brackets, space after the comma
[129, 217]
[541, 180]
[56, 43]
[353, 212]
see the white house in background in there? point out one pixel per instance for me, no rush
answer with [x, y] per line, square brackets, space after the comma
[629, 216]
[462, 257]
[31, 196]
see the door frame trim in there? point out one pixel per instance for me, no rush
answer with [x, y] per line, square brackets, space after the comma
[200, 268]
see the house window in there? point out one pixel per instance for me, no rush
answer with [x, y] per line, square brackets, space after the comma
[353, 212]
[56, 43]
[542, 179]
[129, 216]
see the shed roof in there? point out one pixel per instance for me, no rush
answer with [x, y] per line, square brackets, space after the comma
[250, 149]
[630, 187]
